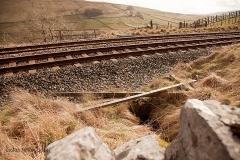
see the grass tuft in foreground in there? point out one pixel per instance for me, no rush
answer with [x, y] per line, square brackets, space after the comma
[34, 121]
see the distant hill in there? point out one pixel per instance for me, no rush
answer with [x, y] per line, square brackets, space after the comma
[27, 20]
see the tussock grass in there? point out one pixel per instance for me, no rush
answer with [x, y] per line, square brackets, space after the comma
[33, 121]
[213, 81]
[165, 116]
[219, 74]
[217, 78]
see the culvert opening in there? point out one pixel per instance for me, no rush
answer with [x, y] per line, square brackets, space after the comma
[162, 114]
[141, 109]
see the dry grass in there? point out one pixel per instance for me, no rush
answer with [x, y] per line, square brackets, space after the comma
[148, 31]
[218, 75]
[34, 121]
[218, 79]
[165, 116]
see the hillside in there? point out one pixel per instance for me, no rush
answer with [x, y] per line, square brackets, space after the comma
[28, 21]
[226, 21]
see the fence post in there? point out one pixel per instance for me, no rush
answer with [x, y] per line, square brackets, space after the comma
[95, 34]
[60, 34]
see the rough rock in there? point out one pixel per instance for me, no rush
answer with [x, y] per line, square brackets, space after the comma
[145, 148]
[205, 133]
[82, 144]
[230, 116]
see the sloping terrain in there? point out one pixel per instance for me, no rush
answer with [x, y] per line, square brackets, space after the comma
[30, 20]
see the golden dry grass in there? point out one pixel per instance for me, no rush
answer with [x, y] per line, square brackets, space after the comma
[217, 78]
[165, 116]
[219, 73]
[34, 121]
[148, 31]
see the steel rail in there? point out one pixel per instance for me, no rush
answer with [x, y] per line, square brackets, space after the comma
[110, 56]
[15, 50]
[105, 49]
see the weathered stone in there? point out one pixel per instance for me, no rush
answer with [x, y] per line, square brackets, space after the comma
[203, 135]
[145, 148]
[82, 144]
[230, 116]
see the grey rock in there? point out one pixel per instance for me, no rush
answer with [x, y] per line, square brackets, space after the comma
[82, 145]
[203, 135]
[228, 115]
[145, 148]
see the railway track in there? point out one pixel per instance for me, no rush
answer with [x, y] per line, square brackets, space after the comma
[113, 41]
[77, 57]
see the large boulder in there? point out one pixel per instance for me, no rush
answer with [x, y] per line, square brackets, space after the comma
[207, 131]
[145, 148]
[82, 144]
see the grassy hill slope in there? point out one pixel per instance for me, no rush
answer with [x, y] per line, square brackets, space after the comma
[28, 20]
[226, 21]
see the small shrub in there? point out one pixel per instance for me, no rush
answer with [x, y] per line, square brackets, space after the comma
[137, 33]
[163, 30]
[93, 12]
[130, 8]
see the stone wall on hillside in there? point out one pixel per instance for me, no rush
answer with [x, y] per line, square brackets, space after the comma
[126, 74]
